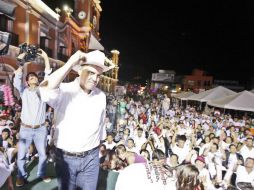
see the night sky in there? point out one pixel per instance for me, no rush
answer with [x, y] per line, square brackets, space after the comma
[217, 36]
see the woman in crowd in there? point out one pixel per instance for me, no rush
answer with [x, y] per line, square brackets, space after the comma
[156, 175]
[129, 157]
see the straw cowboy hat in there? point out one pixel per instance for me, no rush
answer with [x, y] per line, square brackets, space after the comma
[97, 58]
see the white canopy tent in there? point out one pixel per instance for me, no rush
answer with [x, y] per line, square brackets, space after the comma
[186, 95]
[177, 95]
[243, 101]
[183, 95]
[212, 94]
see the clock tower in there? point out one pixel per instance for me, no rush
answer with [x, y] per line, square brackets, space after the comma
[81, 10]
[87, 14]
[88, 11]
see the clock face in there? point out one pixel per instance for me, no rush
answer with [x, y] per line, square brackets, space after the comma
[81, 15]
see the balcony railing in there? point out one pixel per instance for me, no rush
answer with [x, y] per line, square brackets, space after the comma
[62, 57]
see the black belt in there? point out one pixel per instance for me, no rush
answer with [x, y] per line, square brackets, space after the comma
[76, 154]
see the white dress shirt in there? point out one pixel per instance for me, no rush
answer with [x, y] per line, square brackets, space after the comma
[246, 152]
[110, 146]
[139, 141]
[181, 152]
[79, 117]
[243, 175]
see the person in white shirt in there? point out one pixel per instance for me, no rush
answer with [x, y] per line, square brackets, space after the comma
[165, 104]
[172, 161]
[181, 148]
[131, 146]
[172, 113]
[233, 159]
[203, 172]
[80, 110]
[109, 143]
[139, 138]
[5, 171]
[148, 176]
[205, 146]
[33, 117]
[245, 174]
[247, 150]
[214, 158]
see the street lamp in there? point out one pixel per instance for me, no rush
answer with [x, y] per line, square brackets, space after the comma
[58, 11]
[68, 10]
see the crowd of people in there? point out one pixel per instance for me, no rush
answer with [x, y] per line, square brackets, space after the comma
[143, 141]
[151, 129]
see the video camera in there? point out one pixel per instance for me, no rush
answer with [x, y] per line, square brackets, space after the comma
[27, 53]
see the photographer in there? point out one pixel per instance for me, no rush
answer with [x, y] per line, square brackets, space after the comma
[33, 117]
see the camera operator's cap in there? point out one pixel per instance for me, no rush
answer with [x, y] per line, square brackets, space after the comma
[97, 58]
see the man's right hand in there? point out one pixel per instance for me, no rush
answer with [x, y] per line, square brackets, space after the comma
[77, 58]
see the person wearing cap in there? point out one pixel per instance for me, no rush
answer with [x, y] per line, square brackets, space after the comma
[33, 115]
[204, 175]
[80, 110]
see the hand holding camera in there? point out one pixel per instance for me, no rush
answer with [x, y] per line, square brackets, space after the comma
[42, 54]
[28, 53]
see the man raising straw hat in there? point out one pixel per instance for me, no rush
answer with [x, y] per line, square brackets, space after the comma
[80, 110]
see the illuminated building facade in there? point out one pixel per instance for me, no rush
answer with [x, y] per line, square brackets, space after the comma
[57, 32]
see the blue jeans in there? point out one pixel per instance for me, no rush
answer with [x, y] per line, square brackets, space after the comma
[26, 137]
[77, 172]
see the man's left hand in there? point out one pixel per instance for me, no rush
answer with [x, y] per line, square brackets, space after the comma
[43, 54]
